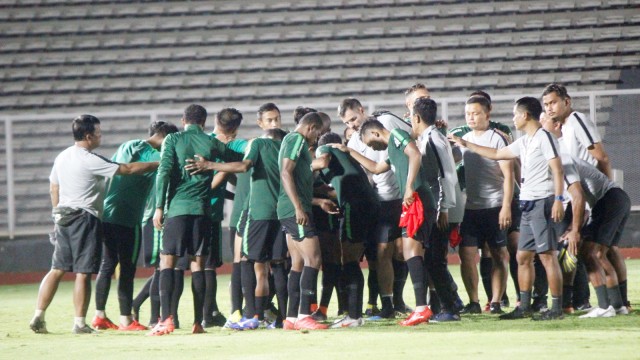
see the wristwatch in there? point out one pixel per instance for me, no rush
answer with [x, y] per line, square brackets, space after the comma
[560, 198]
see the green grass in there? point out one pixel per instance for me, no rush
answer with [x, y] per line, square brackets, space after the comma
[478, 336]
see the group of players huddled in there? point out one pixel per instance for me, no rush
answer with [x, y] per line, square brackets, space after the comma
[396, 191]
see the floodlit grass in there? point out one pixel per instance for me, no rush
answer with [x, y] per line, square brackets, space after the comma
[476, 336]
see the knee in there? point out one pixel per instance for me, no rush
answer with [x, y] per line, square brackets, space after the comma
[524, 259]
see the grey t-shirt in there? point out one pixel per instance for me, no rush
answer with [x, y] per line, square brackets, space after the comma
[535, 152]
[82, 177]
[594, 183]
[437, 160]
[578, 134]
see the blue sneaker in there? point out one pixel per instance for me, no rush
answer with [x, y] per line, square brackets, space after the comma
[246, 324]
[445, 317]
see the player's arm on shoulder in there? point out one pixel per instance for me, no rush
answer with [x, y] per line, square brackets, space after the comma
[321, 161]
[484, 151]
[137, 168]
[370, 165]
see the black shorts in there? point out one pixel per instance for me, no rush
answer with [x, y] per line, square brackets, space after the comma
[537, 231]
[482, 226]
[387, 229]
[299, 232]
[122, 243]
[260, 238]
[186, 234]
[608, 218]
[324, 222]
[358, 222]
[151, 243]
[214, 259]
[423, 235]
[242, 224]
[78, 245]
[516, 216]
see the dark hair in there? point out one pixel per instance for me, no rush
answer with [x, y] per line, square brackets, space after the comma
[370, 124]
[531, 106]
[84, 125]
[414, 88]
[344, 133]
[229, 119]
[481, 94]
[329, 138]
[486, 104]
[266, 108]
[275, 134]
[311, 118]
[162, 127]
[195, 114]
[427, 109]
[301, 111]
[559, 89]
[346, 104]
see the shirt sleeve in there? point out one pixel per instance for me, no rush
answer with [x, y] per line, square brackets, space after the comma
[253, 152]
[53, 177]
[549, 145]
[515, 147]
[571, 174]
[101, 166]
[167, 160]
[324, 149]
[293, 146]
[391, 122]
[585, 130]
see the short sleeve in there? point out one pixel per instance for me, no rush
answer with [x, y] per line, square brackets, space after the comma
[101, 166]
[586, 131]
[516, 147]
[253, 152]
[549, 145]
[292, 146]
[324, 149]
[53, 177]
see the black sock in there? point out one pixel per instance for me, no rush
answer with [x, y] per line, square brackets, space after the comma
[259, 306]
[556, 303]
[330, 272]
[525, 300]
[400, 273]
[601, 295]
[540, 284]
[353, 274]
[154, 297]
[294, 293]
[308, 284]
[176, 294]
[211, 289]
[143, 295]
[249, 288]
[623, 292]
[341, 291]
[198, 287]
[360, 291]
[486, 265]
[416, 271]
[236, 288]
[513, 270]
[615, 299]
[374, 289]
[103, 284]
[280, 282]
[165, 287]
[272, 287]
[567, 296]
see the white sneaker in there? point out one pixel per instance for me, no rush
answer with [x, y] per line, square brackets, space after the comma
[347, 322]
[622, 310]
[598, 312]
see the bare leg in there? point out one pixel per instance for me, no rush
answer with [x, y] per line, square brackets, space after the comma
[82, 294]
[469, 271]
[499, 273]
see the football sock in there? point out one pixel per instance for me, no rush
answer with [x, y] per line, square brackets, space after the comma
[211, 289]
[486, 265]
[567, 296]
[601, 294]
[341, 291]
[387, 301]
[125, 287]
[353, 274]
[623, 292]
[154, 297]
[79, 321]
[400, 273]
[416, 271]
[330, 273]
[280, 282]
[308, 284]
[165, 286]
[525, 300]
[360, 278]
[374, 290]
[556, 303]
[294, 293]
[176, 294]
[249, 288]
[434, 301]
[581, 291]
[236, 287]
[259, 306]
[101, 314]
[615, 299]
[198, 287]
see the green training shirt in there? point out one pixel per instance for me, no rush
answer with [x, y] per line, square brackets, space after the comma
[399, 162]
[241, 198]
[265, 179]
[125, 201]
[186, 194]
[347, 178]
[295, 147]
[237, 147]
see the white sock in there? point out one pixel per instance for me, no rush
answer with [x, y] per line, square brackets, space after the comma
[302, 316]
[79, 321]
[39, 314]
[420, 308]
[125, 320]
[292, 319]
[101, 314]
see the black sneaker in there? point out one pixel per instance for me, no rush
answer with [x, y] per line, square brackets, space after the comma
[38, 326]
[387, 313]
[539, 305]
[216, 319]
[445, 316]
[549, 315]
[505, 301]
[495, 308]
[517, 313]
[318, 315]
[584, 307]
[471, 308]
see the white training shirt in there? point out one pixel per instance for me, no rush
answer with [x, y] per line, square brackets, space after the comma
[594, 183]
[439, 166]
[385, 183]
[82, 177]
[580, 133]
[535, 152]
[483, 176]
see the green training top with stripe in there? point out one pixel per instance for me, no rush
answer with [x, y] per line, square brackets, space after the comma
[295, 147]
[265, 179]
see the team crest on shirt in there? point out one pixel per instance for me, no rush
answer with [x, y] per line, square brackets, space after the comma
[393, 168]
[397, 142]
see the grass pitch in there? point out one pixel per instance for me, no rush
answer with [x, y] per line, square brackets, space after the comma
[476, 336]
